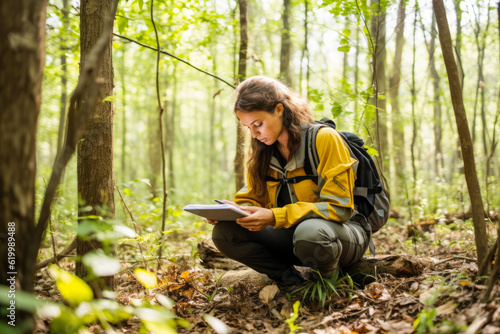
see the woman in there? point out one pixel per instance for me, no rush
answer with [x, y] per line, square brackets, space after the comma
[290, 224]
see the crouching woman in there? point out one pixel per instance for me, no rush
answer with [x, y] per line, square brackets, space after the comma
[293, 220]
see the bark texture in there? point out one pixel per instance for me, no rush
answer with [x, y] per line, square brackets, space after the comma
[397, 123]
[95, 151]
[463, 132]
[286, 45]
[22, 56]
[378, 32]
[438, 160]
[239, 159]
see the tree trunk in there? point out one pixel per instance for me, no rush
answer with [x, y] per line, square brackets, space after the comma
[457, 155]
[239, 159]
[173, 111]
[22, 31]
[124, 114]
[95, 151]
[356, 77]
[154, 151]
[22, 41]
[345, 61]
[379, 81]
[212, 92]
[438, 160]
[64, 75]
[305, 52]
[458, 40]
[398, 136]
[463, 132]
[413, 101]
[286, 45]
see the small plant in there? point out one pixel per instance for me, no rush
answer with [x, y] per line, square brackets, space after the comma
[293, 316]
[323, 288]
[425, 321]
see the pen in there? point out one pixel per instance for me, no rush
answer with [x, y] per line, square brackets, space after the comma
[219, 201]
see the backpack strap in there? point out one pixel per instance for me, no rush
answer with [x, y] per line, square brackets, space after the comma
[293, 180]
[311, 161]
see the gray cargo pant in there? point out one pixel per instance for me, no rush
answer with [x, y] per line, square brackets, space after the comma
[317, 243]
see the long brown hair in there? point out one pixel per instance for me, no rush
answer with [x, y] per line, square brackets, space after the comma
[264, 94]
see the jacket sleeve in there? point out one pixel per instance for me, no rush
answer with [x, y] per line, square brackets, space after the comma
[336, 184]
[247, 196]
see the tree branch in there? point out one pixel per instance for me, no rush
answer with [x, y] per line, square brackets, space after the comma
[65, 252]
[171, 55]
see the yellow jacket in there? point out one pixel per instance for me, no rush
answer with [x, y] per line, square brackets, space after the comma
[331, 199]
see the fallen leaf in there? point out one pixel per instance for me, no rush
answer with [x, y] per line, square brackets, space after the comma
[377, 291]
[446, 309]
[146, 278]
[268, 293]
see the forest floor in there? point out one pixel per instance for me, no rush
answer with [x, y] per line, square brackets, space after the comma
[444, 298]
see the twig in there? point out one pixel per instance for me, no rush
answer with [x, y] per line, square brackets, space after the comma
[53, 241]
[135, 227]
[77, 119]
[181, 60]
[64, 253]
[456, 257]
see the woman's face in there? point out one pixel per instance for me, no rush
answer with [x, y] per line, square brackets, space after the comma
[265, 126]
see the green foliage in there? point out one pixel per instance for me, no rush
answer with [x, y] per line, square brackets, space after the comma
[324, 288]
[425, 321]
[83, 310]
[293, 316]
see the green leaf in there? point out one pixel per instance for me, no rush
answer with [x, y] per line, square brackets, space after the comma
[344, 41]
[344, 48]
[122, 24]
[337, 109]
[110, 98]
[127, 191]
[371, 150]
[346, 32]
[71, 287]
[141, 3]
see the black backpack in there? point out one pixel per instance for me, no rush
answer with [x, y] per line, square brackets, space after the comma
[370, 198]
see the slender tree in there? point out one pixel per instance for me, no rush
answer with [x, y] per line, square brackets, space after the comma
[378, 32]
[124, 112]
[480, 38]
[305, 51]
[64, 75]
[463, 132]
[95, 151]
[286, 45]
[394, 82]
[438, 159]
[239, 160]
[171, 137]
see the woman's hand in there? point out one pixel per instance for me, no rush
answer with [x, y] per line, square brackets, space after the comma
[212, 222]
[259, 218]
